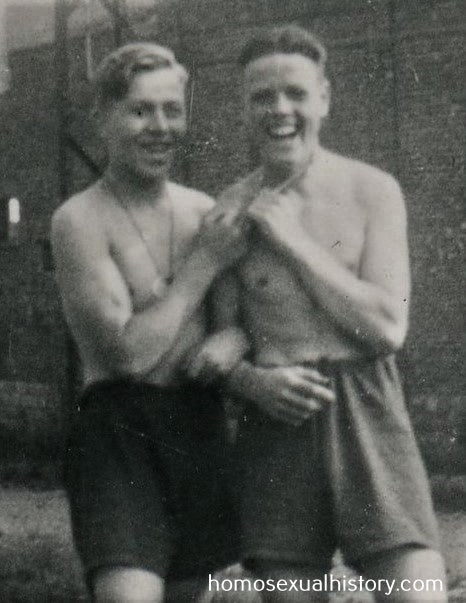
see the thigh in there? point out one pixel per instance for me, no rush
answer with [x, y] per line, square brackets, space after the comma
[381, 490]
[417, 574]
[117, 491]
[284, 499]
[194, 453]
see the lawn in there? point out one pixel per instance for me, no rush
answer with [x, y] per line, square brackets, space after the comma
[38, 563]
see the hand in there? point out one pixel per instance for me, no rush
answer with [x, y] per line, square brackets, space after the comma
[291, 394]
[218, 355]
[223, 236]
[277, 215]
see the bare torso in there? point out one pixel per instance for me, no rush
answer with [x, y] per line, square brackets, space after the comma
[285, 324]
[146, 244]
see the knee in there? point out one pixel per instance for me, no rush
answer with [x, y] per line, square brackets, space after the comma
[416, 574]
[127, 585]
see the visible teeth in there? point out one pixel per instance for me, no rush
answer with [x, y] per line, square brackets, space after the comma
[285, 130]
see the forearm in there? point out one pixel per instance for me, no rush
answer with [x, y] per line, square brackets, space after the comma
[149, 335]
[366, 310]
[244, 381]
[227, 344]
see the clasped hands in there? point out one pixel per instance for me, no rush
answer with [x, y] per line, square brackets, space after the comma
[290, 394]
[277, 216]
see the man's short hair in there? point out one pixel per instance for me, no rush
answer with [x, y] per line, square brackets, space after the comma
[116, 72]
[287, 39]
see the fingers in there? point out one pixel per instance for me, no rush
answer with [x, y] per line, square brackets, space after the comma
[306, 405]
[309, 389]
[310, 383]
[224, 216]
[312, 373]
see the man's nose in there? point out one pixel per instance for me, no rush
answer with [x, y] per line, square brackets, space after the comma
[281, 103]
[158, 121]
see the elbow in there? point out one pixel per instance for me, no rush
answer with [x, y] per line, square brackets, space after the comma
[391, 338]
[393, 343]
[129, 368]
[122, 363]
[127, 363]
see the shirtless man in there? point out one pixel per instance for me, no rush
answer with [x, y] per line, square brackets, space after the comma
[324, 286]
[134, 258]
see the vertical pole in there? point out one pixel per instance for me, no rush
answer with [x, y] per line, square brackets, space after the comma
[61, 61]
[395, 64]
[117, 23]
[61, 93]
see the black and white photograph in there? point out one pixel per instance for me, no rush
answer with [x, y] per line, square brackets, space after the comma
[232, 292]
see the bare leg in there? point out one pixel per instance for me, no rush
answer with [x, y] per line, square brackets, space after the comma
[127, 585]
[418, 575]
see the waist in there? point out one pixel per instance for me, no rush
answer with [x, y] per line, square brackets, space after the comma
[168, 378]
[292, 352]
[130, 394]
[333, 365]
[169, 371]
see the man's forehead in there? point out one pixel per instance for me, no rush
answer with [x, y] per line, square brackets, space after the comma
[157, 82]
[276, 66]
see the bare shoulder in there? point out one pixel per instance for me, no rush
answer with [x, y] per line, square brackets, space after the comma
[77, 227]
[374, 189]
[79, 212]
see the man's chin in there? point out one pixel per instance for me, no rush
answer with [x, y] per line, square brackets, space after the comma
[154, 173]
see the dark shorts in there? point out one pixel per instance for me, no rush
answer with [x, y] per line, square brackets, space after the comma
[147, 482]
[351, 477]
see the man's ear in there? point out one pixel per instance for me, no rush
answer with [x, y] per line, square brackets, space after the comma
[325, 96]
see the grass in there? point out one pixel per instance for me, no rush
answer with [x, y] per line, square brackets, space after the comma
[37, 567]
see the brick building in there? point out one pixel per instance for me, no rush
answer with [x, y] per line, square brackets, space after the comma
[398, 101]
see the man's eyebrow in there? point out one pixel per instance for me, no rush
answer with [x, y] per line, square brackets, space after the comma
[141, 102]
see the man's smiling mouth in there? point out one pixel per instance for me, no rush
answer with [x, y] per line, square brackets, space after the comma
[158, 151]
[282, 131]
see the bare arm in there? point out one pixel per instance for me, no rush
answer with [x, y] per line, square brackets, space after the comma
[372, 306]
[228, 344]
[98, 304]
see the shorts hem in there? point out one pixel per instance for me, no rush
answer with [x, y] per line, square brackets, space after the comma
[162, 569]
[356, 560]
[127, 562]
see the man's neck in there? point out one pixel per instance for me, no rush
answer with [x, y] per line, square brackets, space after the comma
[133, 189]
[278, 174]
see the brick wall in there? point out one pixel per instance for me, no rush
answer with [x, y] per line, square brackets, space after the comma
[397, 101]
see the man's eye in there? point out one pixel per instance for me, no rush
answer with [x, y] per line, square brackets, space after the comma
[173, 110]
[139, 111]
[296, 93]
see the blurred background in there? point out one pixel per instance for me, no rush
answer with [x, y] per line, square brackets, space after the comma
[398, 101]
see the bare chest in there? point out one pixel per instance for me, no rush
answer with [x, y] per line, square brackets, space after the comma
[337, 223]
[148, 247]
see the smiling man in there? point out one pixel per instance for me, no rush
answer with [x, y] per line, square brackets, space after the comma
[134, 258]
[326, 453]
